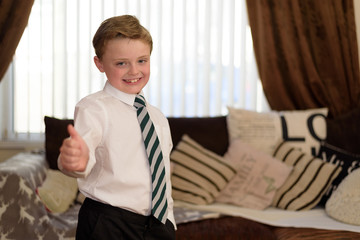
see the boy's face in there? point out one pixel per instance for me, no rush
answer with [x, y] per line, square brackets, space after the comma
[126, 63]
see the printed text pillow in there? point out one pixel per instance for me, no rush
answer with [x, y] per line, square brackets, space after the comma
[305, 128]
[258, 177]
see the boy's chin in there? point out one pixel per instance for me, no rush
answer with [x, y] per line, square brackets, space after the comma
[131, 90]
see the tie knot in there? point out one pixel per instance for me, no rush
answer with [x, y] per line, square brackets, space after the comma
[139, 101]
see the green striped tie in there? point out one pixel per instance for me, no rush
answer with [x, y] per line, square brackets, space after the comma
[153, 150]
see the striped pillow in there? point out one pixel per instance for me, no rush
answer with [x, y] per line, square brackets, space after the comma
[307, 183]
[198, 175]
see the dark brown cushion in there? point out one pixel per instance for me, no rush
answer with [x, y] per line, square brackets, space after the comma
[347, 161]
[344, 131]
[210, 132]
[55, 133]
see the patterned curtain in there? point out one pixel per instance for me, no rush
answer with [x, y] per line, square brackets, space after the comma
[14, 15]
[307, 53]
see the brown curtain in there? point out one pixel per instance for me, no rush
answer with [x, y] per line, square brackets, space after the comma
[307, 53]
[14, 15]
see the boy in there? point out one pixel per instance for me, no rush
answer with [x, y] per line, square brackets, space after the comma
[107, 153]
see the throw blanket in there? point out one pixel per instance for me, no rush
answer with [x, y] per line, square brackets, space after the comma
[315, 218]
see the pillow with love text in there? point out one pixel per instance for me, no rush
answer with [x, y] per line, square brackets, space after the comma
[263, 130]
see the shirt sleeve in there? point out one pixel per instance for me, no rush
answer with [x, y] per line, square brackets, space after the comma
[89, 121]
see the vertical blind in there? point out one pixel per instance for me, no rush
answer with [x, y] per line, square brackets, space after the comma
[201, 63]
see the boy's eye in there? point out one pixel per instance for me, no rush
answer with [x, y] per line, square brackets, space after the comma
[121, 63]
[142, 60]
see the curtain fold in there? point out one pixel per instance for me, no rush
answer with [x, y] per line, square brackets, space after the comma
[14, 15]
[307, 53]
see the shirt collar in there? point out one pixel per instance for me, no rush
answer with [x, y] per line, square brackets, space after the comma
[124, 97]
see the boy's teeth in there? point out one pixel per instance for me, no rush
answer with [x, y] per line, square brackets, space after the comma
[132, 80]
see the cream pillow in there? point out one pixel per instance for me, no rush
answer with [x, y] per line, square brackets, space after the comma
[307, 183]
[305, 128]
[344, 203]
[258, 177]
[198, 175]
[58, 191]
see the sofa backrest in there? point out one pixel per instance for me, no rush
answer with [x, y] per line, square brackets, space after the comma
[210, 132]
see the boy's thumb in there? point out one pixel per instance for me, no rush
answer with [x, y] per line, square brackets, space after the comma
[73, 133]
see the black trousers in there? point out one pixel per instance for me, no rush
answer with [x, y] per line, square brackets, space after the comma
[102, 221]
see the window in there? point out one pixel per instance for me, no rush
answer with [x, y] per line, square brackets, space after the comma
[202, 60]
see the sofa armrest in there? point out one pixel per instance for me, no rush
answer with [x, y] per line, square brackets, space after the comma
[31, 168]
[22, 215]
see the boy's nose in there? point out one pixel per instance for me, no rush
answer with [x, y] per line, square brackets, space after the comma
[133, 70]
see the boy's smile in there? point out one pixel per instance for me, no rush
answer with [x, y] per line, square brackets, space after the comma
[126, 63]
[131, 81]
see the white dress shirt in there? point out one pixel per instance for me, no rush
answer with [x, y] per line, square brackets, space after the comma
[118, 171]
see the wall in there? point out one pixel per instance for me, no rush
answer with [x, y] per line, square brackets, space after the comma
[11, 148]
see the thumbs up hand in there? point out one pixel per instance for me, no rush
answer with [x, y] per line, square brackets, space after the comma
[74, 152]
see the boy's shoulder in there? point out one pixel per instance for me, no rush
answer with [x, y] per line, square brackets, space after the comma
[92, 98]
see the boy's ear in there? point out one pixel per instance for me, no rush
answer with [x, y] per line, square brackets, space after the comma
[98, 64]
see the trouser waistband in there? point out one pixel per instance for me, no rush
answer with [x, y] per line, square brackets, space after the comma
[111, 210]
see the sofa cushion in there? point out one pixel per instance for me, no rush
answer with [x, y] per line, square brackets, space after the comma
[340, 157]
[55, 133]
[305, 128]
[198, 174]
[308, 181]
[344, 203]
[258, 177]
[343, 131]
[58, 191]
[226, 227]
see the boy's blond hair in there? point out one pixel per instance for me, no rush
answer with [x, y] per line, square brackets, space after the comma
[125, 26]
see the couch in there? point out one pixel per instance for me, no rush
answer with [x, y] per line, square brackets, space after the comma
[23, 214]
[212, 133]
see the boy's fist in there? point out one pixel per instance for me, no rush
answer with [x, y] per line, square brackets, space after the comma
[74, 153]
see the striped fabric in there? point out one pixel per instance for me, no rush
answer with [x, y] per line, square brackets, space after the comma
[307, 183]
[199, 174]
[153, 150]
